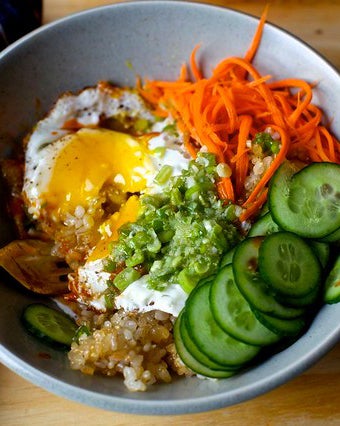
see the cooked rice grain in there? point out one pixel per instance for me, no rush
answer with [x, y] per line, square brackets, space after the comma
[137, 345]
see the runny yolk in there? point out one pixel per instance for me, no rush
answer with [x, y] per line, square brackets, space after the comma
[91, 157]
[109, 229]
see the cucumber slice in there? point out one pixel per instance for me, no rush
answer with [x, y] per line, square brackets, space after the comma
[233, 313]
[308, 202]
[331, 238]
[332, 285]
[282, 327]
[227, 259]
[288, 265]
[194, 350]
[206, 280]
[321, 251]
[49, 325]
[299, 302]
[190, 361]
[251, 284]
[265, 225]
[209, 337]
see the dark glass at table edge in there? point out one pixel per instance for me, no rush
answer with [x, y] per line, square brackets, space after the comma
[17, 18]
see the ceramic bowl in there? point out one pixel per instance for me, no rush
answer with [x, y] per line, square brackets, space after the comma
[156, 38]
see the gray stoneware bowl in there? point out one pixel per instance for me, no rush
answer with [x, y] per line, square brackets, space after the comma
[156, 37]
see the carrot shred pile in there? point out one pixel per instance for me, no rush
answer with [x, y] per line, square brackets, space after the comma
[225, 111]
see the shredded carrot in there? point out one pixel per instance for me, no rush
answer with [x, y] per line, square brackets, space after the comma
[249, 56]
[304, 86]
[278, 160]
[225, 111]
[189, 146]
[230, 108]
[225, 189]
[259, 81]
[195, 69]
[183, 74]
[319, 148]
[254, 208]
[330, 141]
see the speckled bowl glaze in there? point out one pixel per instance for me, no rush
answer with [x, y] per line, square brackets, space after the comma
[156, 38]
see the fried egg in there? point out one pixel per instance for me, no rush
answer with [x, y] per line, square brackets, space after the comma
[71, 158]
[66, 167]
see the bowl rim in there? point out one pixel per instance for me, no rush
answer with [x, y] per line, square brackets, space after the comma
[182, 3]
[163, 407]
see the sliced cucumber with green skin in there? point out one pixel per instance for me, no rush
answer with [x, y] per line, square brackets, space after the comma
[282, 327]
[209, 336]
[251, 284]
[331, 238]
[227, 259]
[265, 225]
[288, 265]
[189, 358]
[49, 325]
[195, 351]
[322, 252]
[308, 202]
[206, 280]
[233, 313]
[332, 285]
[300, 302]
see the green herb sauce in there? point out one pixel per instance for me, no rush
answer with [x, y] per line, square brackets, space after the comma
[180, 234]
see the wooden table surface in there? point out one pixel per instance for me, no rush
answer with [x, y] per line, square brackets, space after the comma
[310, 399]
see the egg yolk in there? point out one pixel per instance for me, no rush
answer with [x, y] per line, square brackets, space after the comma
[109, 229]
[89, 159]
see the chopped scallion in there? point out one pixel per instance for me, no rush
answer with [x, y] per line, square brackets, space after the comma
[125, 278]
[186, 281]
[83, 329]
[164, 174]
